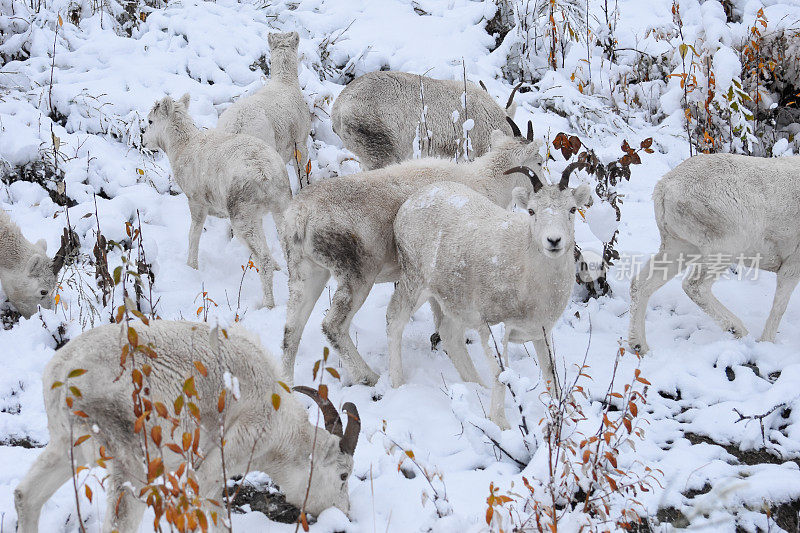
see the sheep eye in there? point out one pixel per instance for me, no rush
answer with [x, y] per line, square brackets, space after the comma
[150, 121]
[344, 477]
[573, 209]
[530, 212]
[43, 292]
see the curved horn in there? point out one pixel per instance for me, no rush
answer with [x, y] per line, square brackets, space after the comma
[514, 127]
[535, 181]
[530, 131]
[332, 421]
[350, 438]
[511, 96]
[564, 183]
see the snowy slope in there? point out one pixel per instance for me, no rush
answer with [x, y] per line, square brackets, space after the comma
[103, 86]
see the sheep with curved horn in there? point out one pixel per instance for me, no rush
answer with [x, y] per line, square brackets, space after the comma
[378, 116]
[343, 228]
[278, 441]
[515, 268]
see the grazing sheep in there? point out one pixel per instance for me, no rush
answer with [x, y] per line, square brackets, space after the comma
[483, 265]
[27, 274]
[377, 116]
[225, 175]
[343, 227]
[277, 442]
[714, 210]
[277, 113]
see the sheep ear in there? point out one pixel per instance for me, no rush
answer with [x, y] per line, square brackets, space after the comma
[511, 110]
[185, 100]
[167, 105]
[35, 263]
[583, 195]
[495, 138]
[520, 197]
[42, 245]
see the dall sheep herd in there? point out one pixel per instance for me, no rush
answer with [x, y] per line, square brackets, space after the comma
[483, 241]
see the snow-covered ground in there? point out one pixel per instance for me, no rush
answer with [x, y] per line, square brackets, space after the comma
[103, 85]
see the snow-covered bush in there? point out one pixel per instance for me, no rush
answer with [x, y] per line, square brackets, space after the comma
[577, 454]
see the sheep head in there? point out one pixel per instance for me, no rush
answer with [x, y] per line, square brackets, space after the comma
[551, 208]
[283, 40]
[161, 118]
[333, 463]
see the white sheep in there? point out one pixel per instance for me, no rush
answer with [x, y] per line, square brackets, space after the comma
[277, 442]
[483, 265]
[714, 210]
[225, 175]
[343, 227]
[27, 274]
[377, 116]
[277, 113]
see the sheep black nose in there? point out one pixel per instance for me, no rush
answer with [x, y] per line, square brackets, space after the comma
[554, 242]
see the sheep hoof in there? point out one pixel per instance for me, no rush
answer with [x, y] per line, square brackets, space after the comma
[738, 331]
[192, 264]
[767, 338]
[435, 341]
[268, 302]
[369, 379]
[639, 347]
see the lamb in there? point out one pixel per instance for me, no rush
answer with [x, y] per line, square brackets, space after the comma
[27, 274]
[378, 114]
[343, 227]
[483, 265]
[225, 175]
[277, 442]
[277, 113]
[714, 210]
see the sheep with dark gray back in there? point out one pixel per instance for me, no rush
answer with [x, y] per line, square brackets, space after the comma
[378, 116]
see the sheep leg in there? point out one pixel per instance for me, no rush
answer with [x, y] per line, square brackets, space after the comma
[306, 282]
[50, 470]
[662, 267]
[453, 338]
[401, 306]
[348, 298]
[123, 510]
[249, 229]
[697, 286]
[437, 321]
[497, 413]
[786, 282]
[545, 357]
[199, 213]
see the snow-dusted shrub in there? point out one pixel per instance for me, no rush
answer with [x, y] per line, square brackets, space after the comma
[604, 216]
[577, 454]
[543, 33]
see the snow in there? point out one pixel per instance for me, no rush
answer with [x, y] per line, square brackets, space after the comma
[104, 83]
